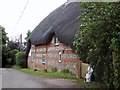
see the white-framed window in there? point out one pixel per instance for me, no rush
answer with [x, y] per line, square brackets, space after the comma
[60, 53]
[43, 58]
[56, 41]
[33, 58]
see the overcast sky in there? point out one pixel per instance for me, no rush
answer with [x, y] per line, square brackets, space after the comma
[36, 10]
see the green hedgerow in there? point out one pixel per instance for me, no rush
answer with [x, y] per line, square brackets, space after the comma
[13, 57]
[20, 59]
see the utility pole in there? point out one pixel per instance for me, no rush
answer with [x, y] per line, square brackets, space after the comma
[20, 43]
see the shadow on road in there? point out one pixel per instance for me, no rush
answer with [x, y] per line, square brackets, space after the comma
[7, 66]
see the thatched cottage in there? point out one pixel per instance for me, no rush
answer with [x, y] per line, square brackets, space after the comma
[51, 43]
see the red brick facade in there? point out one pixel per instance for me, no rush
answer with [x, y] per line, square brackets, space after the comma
[54, 56]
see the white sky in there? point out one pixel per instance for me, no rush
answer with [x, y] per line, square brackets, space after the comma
[36, 11]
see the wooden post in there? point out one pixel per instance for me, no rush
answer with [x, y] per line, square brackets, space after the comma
[79, 68]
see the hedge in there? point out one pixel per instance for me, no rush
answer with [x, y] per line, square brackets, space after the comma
[20, 59]
[12, 56]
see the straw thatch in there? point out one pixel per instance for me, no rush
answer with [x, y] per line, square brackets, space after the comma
[63, 22]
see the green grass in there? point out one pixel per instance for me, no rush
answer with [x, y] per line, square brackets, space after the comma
[46, 74]
[91, 85]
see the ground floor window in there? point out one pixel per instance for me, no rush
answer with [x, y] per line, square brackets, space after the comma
[43, 58]
[60, 53]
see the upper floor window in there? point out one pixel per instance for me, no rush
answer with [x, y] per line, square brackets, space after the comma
[56, 41]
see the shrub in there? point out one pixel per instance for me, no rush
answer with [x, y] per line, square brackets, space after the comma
[20, 59]
[54, 69]
[65, 71]
[45, 70]
[34, 69]
[12, 56]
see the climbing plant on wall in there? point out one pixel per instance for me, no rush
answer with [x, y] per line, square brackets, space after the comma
[98, 40]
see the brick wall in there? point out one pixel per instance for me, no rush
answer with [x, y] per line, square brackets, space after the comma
[49, 56]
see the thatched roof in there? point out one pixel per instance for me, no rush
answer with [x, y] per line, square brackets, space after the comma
[63, 22]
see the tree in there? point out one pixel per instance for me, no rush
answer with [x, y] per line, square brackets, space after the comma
[28, 34]
[13, 45]
[3, 45]
[98, 40]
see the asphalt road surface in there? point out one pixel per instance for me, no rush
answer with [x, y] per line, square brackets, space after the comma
[12, 78]
[0, 78]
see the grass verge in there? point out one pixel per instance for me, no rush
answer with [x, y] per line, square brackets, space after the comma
[45, 74]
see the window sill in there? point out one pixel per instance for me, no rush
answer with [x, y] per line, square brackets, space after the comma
[59, 61]
[56, 44]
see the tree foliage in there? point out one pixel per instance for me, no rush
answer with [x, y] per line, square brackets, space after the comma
[13, 45]
[3, 46]
[13, 57]
[98, 40]
[4, 38]
[28, 34]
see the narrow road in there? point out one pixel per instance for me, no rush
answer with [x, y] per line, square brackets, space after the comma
[0, 78]
[12, 78]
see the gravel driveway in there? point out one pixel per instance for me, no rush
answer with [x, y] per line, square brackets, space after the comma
[12, 78]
